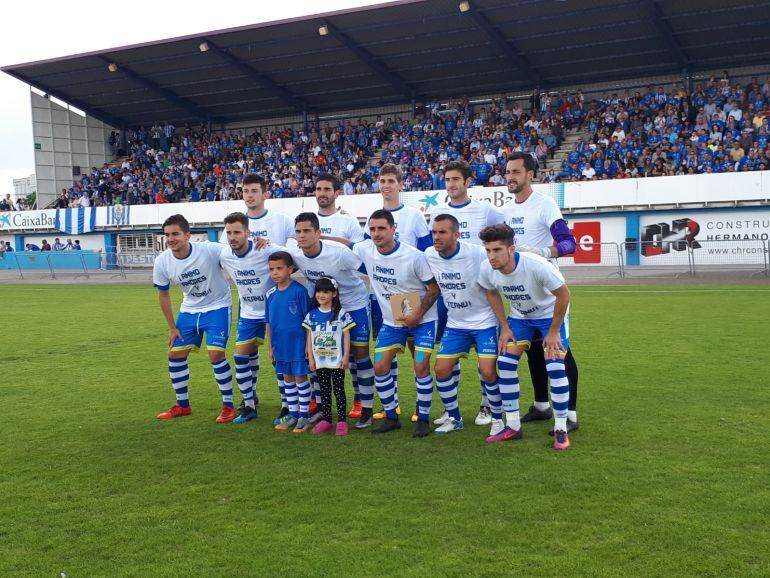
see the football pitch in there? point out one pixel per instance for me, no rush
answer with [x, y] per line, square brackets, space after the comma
[667, 476]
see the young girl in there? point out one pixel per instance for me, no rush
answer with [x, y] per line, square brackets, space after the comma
[328, 348]
[285, 308]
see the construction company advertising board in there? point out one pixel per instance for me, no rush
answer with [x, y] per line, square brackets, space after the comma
[740, 236]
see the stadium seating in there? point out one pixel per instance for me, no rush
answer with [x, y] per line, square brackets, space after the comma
[719, 127]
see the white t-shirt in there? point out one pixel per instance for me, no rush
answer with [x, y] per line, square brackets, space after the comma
[403, 270]
[528, 289]
[531, 220]
[339, 263]
[251, 275]
[274, 226]
[341, 225]
[457, 277]
[327, 336]
[472, 216]
[410, 225]
[203, 283]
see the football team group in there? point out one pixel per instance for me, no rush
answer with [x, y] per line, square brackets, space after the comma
[447, 280]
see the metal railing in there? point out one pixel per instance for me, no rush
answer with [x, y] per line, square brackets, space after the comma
[73, 263]
[595, 260]
[694, 257]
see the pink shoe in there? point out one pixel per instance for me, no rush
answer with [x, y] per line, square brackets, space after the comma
[322, 426]
[342, 428]
[560, 440]
[505, 435]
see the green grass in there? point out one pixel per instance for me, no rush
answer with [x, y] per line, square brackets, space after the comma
[667, 476]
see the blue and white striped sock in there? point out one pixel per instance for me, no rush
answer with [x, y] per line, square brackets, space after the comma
[365, 382]
[353, 366]
[386, 389]
[559, 392]
[315, 389]
[224, 377]
[447, 391]
[292, 401]
[281, 389]
[424, 386]
[254, 365]
[484, 400]
[508, 370]
[494, 399]
[179, 373]
[244, 378]
[304, 393]
[394, 374]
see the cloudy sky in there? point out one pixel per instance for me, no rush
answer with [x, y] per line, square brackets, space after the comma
[45, 29]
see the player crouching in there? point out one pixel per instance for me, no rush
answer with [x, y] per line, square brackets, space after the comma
[538, 298]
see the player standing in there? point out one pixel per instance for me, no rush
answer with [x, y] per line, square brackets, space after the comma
[276, 227]
[318, 259]
[248, 267]
[411, 229]
[472, 216]
[205, 309]
[471, 321]
[539, 300]
[541, 229]
[396, 268]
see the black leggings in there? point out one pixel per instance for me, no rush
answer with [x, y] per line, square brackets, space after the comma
[536, 362]
[332, 379]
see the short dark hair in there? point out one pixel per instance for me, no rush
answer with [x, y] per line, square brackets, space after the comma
[237, 218]
[450, 218]
[282, 256]
[312, 218]
[529, 162]
[392, 169]
[500, 232]
[328, 177]
[383, 214]
[179, 221]
[459, 165]
[255, 179]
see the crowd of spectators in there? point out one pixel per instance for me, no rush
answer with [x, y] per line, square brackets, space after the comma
[719, 126]
[165, 165]
[8, 204]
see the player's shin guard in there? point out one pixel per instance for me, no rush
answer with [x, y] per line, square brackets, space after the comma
[304, 394]
[386, 390]
[224, 377]
[254, 366]
[353, 367]
[394, 375]
[424, 387]
[365, 382]
[447, 391]
[559, 392]
[494, 399]
[179, 373]
[244, 378]
[508, 382]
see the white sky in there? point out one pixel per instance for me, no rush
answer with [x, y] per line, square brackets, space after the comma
[31, 31]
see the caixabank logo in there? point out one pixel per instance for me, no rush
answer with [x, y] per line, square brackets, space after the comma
[662, 238]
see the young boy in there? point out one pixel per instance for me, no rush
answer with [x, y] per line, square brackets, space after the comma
[285, 309]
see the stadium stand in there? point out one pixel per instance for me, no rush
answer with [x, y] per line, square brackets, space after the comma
[718, 127]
